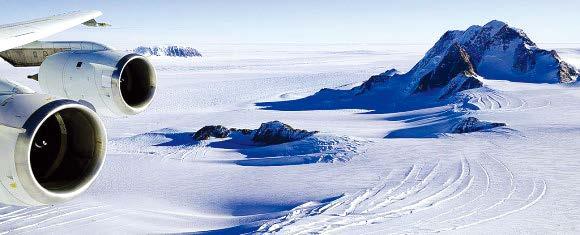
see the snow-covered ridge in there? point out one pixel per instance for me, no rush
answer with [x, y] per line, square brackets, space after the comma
[172, 51]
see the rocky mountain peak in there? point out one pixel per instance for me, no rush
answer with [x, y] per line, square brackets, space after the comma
[494, 26]
[493, 51]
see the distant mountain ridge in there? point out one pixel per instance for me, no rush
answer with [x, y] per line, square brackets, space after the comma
[494, 51]
[172, 51]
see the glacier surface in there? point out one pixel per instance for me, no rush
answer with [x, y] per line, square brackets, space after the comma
[352, 177]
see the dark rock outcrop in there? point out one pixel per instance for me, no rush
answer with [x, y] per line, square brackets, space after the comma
[211, 131]
[456, 61]
[242, 131]
[277, 132]
[269, 133]
[566, 71]
[472, 124]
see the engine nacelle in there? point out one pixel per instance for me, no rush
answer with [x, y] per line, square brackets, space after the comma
[114, 83]
[51, 150]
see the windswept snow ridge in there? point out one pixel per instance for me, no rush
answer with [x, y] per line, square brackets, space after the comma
[315, 149]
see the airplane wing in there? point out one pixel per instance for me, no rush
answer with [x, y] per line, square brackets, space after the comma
[19, 34]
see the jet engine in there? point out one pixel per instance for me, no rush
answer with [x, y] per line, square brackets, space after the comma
[112, 82]
[52, 148]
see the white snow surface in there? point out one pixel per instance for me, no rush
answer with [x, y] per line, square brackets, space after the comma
[348, 179]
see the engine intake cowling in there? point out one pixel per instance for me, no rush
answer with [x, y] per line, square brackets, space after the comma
[52, 149]
[114, 83]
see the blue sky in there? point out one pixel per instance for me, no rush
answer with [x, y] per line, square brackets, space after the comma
[302, 21]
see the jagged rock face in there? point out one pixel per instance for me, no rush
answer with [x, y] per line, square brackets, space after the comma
[472, 124]
[277, 132]
[207, 132]
[173, 51]
[459, 83]
[568, 72]
[455, 62]
[377, 80]
[524, 59]
[513, 56]
[476, 38]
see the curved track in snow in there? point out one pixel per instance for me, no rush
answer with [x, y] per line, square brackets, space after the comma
[425, 197]
[488, 100]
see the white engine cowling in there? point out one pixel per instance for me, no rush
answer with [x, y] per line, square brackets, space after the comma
[51, 149]
[114, 83]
